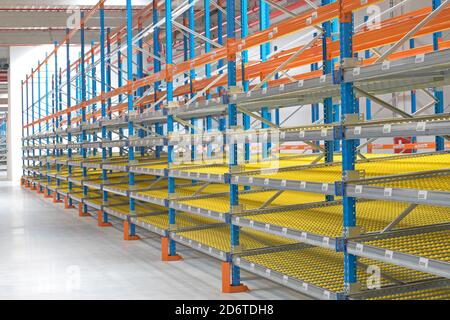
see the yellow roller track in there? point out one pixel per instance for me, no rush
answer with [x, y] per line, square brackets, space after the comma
[254, 200]
[79, 193]
[435, 183]
[429, 294]
[65, 188]
[371, 169]
[324, 268]
[111, 200]
[372, 216]
[224, 168]
[141, 181]
[434, 245]
[220, 238]
[125, 207]
[119, 180]
[185, 191]
[184, 220]
[94, 176]
[159, 166]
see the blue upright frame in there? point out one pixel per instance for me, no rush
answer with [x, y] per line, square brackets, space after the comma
[169, 91]
[232, 123]
[438, 92]
[348, 107]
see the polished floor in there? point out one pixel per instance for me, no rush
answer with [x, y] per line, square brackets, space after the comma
[47, 252]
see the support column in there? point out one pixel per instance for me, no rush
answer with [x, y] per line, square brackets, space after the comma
[245, 83]
[33, 185]
[168, 246]
[94, 92]
[156, 69]
[328, 68]
[129, 228]
[39, 188]
[56, 109]
[231, 271]
[28, 128]
[208, 66]
[413, 95]
[438, 92]
[348, 147]
[84, 212]
[191, 22]
[264, 21]
[47, 126]
[119, 85]
[103, 102]
[69, 103]
[108, 83]
[139, 75]
[22, 180]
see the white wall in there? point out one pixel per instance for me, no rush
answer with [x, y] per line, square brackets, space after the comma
[22, 59]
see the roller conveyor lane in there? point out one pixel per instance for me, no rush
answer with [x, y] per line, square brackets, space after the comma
[318, 272]
[427, 252]
[147, 216]
[321, 225]
[79, 196]
[321, 178]
[217, 206]
[184, 188]
[218, 171]
[432, 187]
[214, 240]
[156, 169]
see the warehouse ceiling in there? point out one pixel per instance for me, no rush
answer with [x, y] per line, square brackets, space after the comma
[32, 22]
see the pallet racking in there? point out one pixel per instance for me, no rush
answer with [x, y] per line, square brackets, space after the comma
[316, 222]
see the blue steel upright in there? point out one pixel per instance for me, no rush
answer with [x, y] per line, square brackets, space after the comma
[32, 120]
[208, 66]
[108, 82]
[94, 91]
[233, 148]
[130, 101]
[191, 22]
[264, 21]
[56, 90]
[413, 95]
[328, 68]
[68, 103]
[28, 119]
[23, 132]
[169, 84]
[39, 117]
[139, 75]
[220, 63]
[245, 83]
[348, 107]
[83, 101]
[367, 55]
[103, 103]
[156, 69]
[438, 92]
[47, 125]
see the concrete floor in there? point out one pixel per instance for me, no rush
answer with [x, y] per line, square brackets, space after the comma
[47, 252]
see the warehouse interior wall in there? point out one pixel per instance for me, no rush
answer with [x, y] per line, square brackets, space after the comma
[22, 59]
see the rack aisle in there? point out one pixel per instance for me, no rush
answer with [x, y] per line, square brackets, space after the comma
[187, 147]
